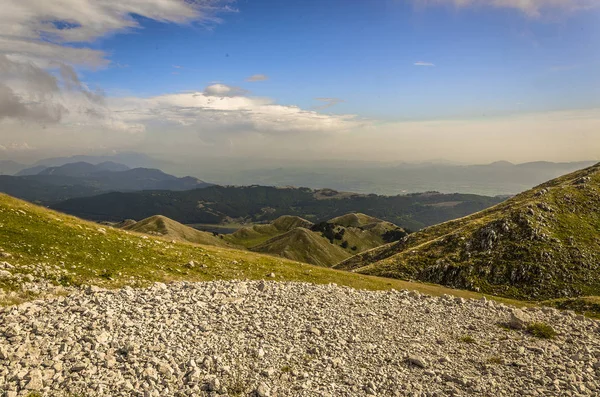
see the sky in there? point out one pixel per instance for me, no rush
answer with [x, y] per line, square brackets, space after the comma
[382, 80]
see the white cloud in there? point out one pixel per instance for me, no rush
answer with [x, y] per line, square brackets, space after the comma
[46, 28]
[223, 90]
[257, 77]
[41, 41]
[221, 107]
[532, 8]
[421, 63]
[16, 147]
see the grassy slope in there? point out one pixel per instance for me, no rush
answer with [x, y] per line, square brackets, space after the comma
[69, 251]
[168, 228]
[258, 234]
[289, 237]
[303, 245]
[355, 219]
[543, 243]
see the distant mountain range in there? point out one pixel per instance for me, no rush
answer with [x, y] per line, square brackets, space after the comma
[499, 178]
[53, 184]
[129, 159]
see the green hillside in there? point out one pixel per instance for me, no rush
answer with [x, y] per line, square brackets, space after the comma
[543, 243]
[354, 219]
[303, 245]
[159, 225]
[46, 247]
[323, 244]
[257, 234]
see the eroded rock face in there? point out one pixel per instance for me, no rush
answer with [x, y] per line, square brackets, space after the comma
[289, 339]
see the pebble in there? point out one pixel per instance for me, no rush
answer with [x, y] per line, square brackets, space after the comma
[266, 338]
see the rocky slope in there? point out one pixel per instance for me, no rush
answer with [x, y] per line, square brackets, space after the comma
[543, 243]
[289, 339]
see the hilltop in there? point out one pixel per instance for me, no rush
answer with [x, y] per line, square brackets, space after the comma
[159, 225]
[543, 243]
[257, 234]
[354, 220]
[303, 245]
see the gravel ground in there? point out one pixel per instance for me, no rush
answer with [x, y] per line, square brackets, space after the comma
[289, 339]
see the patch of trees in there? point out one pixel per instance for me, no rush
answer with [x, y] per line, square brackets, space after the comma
[395, 235]
[328, 231]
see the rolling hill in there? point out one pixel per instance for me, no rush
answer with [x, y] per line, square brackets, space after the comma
[354, 220]
[303, 245]
[543, 243]
[162, 226]
[44, 251]
[257, 234]
[323, 244]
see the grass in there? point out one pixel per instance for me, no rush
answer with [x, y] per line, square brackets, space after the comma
[495, 360]
[541, 330]
[467, 339]
[587, 305]
[69, 251]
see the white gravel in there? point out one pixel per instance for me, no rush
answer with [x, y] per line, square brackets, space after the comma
[288, 339]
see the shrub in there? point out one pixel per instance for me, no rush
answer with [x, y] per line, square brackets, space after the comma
[467, 339]
[65, 280]
[354, 248]
[344, 244]
[326, 229]
[495, 360]
[541, 330]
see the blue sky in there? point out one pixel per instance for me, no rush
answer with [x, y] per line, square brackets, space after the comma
[386, 80]
[487, 60]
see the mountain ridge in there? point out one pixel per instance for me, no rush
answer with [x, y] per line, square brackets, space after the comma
[255, 204]
[73, 180]
[542, 243]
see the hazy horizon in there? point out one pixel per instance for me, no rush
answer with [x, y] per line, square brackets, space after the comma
[466, 81]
